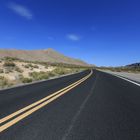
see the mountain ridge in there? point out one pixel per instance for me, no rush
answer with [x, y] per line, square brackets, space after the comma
[134, 65]
[47, 55]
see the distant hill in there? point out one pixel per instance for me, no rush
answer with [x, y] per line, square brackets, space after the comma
[134, 65]
[48, 55]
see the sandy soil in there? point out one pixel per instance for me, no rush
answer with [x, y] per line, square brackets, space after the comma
[14, 75]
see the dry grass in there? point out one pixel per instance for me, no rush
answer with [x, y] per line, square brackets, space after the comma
[14, 72]
[122, 69]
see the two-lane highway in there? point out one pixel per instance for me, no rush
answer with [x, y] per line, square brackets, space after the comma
[90, 105]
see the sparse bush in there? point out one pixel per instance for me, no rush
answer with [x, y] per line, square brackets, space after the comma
[51, 74]
[59, 71]
[31, 66]
[9, 64]
[35, 66]
[39, 75]
[46, 66]
[78, 70]
[27, 66]
[20, 76]
[18, 69]
[62, 71]
[3, 82]
[10, 58]
[121, 69]
[45, 75]
[8, 69]
[26, 80]
[1, 71]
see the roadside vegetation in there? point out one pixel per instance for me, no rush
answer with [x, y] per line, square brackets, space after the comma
[14, 71]
[4, 83]
[26, 80]
[122, 69]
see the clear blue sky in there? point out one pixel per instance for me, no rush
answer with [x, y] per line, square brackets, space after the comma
[101, 32]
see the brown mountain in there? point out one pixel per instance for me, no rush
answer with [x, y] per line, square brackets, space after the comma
[48, 55]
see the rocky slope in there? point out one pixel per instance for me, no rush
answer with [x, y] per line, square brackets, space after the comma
[48, 55]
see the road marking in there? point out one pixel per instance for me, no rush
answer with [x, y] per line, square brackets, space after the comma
[127, 80]
[121, 78]
[35, 103]
[29, 112]
[75, 118]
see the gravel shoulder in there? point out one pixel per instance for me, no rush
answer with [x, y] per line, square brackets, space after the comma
[131, 76]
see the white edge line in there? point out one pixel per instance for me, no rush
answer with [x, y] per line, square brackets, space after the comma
[127, 80]
[122, 78]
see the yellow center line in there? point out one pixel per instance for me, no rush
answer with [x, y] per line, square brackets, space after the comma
[54, 97]
[34, 104]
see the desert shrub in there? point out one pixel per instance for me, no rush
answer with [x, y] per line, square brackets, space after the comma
[46, 66]
[1, 71]
[18, 69]
[121, 69]
[35, 66]
[39, 75]
[20, 76]
[56, 72]
[27, 66]
[8, 69]
[26, 80]
[9, 64]
[10, 58]
[52, 74]
[31, 66]
[60, 71]
[3, 82]
[78, 70]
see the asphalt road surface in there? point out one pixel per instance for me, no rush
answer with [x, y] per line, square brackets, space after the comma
[132, 76]
[90, 105]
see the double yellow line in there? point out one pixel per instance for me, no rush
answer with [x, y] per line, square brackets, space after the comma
[28, 110]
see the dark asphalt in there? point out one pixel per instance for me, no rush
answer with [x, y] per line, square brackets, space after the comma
[104, 107]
